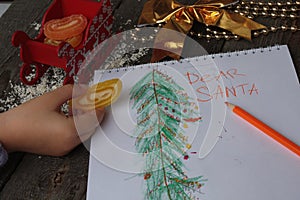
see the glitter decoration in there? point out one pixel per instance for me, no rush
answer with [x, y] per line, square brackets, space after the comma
[186, 157]
[20, 93]
[188, 146]
[185, 125]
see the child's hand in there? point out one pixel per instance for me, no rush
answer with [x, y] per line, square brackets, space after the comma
[39, 127]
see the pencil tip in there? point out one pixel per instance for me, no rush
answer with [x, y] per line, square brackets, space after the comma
[229, 105]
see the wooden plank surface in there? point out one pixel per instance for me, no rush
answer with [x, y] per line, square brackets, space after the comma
[29, 176]
[43, 177]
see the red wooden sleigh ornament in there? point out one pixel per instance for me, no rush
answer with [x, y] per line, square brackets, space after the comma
[38, 56]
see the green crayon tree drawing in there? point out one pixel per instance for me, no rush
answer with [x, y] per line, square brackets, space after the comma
[164, 110]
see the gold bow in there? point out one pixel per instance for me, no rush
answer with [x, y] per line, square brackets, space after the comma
[178, 17]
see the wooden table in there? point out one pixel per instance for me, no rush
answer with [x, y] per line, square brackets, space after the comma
[29, 176]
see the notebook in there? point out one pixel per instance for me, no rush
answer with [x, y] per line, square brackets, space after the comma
[170, 135]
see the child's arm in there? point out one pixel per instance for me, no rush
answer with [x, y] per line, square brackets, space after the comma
[39, 127]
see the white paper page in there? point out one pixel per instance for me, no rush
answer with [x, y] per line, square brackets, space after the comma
[245, 163]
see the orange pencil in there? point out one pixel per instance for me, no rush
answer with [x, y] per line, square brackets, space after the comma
[265, 128]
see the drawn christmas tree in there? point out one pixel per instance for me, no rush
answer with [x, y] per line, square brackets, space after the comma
[164, 111]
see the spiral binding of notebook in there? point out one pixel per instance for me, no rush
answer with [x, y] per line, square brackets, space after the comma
[208, 57]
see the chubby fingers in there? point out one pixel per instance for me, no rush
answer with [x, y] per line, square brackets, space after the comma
[57, 97]
[87, 123]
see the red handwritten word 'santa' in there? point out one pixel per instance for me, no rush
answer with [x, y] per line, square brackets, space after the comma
[221, 92]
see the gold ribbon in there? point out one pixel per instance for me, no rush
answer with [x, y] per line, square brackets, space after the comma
[179, 17]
